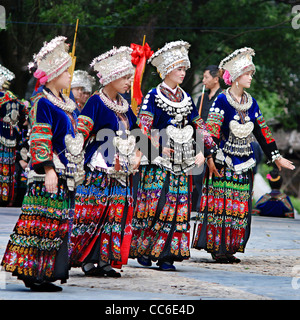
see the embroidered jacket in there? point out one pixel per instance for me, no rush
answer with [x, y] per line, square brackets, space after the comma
[157, 114]
[99, 124]
[232, 130]
[12, 114]
[50, 125]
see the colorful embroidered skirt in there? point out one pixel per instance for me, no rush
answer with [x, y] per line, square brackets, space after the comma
[7, 171]
[102, 221]
[225, 213]
[162, 214]
[38, 247]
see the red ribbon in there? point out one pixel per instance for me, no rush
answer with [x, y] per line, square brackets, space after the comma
[139, 56]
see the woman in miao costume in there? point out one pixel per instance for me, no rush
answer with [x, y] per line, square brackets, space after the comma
[225, 211]
[38, 249]
[81, 87]
[162, 213]
[13, 113]
[102, 225]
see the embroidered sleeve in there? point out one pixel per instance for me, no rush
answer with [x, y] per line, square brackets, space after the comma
[8, 96]
[265, 129]
[41, 136]
[202, 130]
[262, 200]
[215, 119]
[145, 122]
[264, 137]
[41, 146]
[145, 119]
[212, 128]
[85, 125]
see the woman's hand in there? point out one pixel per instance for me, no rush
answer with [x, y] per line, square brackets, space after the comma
[167, 151]
[284, 163]
[199, 159]
[51, 180]
[212, 168]
[23, 164]
[137, 160]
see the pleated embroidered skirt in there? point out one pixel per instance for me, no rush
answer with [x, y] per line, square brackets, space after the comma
[102, 221]
[225, 212]
[162, 214]
[7, 173]
[38, 247]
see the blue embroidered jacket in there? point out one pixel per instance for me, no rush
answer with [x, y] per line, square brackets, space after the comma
[232, 130]
[99, 123]
[50, 124]
[152, 116]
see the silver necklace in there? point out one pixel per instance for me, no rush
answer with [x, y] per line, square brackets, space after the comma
[68, 105]
[177, 105]
[239, 106]
[178, 110]
[112, 105]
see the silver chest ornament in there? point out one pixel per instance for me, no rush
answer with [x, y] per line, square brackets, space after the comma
[180, 134]
[241, 130]
[126, 150]
[12, 115]
[75, 157]
[239, 140]
[181, 141]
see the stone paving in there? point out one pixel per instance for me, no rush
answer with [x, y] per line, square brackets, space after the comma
[270, 270]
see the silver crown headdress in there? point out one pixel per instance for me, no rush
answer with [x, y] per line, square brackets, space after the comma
[113, 64]
[52, 60]
[5, 75]
[82, 79]
[173, 55]
[238, 62]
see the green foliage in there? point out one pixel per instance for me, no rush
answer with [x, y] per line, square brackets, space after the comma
[213, 27]
[296, 204]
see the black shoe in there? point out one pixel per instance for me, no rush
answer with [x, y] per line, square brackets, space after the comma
[232, 259]
[144, 261]
[111, 273]
[44, 287]
[219, 258]
[165, 266]
[100, 272]
[94, 272]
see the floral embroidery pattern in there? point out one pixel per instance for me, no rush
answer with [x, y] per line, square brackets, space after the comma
[99, 215]
[205, 130]
[214, 123]
[225, 204]
[265, 129]
[39, 233]
[85, 125]
[145, 122]
[41, 143]
[152, 229]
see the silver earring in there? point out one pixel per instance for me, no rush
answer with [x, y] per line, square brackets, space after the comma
[237, 84]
